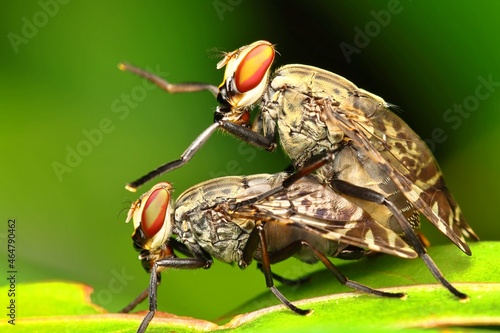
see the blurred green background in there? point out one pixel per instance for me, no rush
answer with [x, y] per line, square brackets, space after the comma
[61, 92]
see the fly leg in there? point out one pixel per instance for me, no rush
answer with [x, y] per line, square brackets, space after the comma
[266, 267]
[343, 279]
[184, 87]
[314, 164]
[147, 264]
[173, 89]
[242, 132]
[258, 237]
[138, 300]
[284, 280]
[185, 157]
[373, 196]
[293, 247]
[288, 251]
[201, 260]
[239, 131]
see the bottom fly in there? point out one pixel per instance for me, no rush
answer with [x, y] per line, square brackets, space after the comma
[224, 219]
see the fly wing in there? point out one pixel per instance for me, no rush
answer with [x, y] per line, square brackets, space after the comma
[309, 205]
[405, 158]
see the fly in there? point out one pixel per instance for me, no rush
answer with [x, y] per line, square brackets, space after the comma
[228, 220]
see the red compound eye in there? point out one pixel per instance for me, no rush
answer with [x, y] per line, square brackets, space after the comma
[253, 67]
[154, 212]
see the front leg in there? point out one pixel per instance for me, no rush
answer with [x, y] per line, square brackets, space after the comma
[171, 88]
[246, 134]
[241, 132]
[185, 158]
[201, 260]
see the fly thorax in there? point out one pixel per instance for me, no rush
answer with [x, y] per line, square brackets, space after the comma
[302, 132]
[184, 233]
[215, 233]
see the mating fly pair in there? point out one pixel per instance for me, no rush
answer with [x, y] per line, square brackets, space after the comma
[347, 137]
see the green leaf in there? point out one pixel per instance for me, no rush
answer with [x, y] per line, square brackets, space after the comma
[59, 306]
